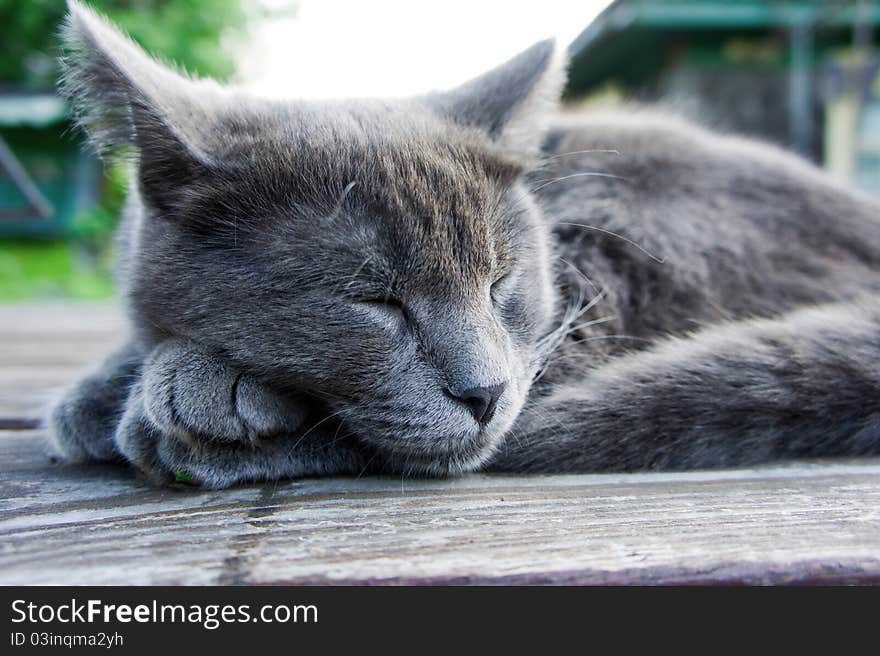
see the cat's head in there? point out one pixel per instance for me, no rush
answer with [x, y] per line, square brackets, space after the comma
[384, 256]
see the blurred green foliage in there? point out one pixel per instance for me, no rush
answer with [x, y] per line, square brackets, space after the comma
[200, 36]
[92, 228]
[36, 269]
[183, 31]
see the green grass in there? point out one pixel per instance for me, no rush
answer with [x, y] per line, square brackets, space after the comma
[31, 270]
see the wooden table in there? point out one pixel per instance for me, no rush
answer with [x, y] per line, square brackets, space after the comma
[59, 524]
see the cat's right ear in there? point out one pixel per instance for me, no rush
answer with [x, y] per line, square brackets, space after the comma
[513, 102]
[123, 97]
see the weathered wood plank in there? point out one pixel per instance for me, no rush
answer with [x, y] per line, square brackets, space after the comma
[804, 521]
[27, 391]
[45, 346]
[59, 318]
[100, 524]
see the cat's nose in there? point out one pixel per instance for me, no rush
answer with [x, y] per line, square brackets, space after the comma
[481, 401]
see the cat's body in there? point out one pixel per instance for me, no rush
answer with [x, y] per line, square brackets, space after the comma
[724, 228]
[739, 286]
[468, 280]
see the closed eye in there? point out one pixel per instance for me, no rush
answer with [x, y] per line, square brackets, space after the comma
[499, 286]
[389, 306]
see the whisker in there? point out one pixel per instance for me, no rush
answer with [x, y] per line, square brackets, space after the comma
[367, 465]
[336, 437]
[548, 417]
[598, 337]
[589, 306]
[590, 174]
[594, 322]
[568, 318]
[545, 183]
[318, 423]
[619, 236]
[580, 273]
[610, 151]
[550, 343]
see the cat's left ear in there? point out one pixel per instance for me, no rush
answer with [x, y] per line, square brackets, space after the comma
[513, 102]
[123, 97]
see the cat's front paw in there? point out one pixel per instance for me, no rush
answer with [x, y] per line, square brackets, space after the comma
[165, 458]
[191, 394]
[82, 421]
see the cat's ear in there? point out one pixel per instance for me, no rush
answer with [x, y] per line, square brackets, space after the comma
[123, 97]
[513, 102]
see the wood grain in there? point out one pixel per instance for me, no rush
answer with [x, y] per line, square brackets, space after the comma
[63, 524]
[97, 524]
[43, 347]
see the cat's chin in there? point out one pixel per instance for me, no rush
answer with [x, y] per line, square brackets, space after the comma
[439, 464]
[447, 448]
[449, 456]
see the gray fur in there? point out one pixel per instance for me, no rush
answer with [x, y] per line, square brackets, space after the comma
[311, 285]
[190, 394]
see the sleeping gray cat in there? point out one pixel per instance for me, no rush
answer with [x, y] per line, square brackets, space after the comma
[466, 280]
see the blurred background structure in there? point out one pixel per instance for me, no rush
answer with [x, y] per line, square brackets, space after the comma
[803, 74]
[58, 202]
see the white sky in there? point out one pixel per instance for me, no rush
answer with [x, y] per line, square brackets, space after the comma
[339, 48]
